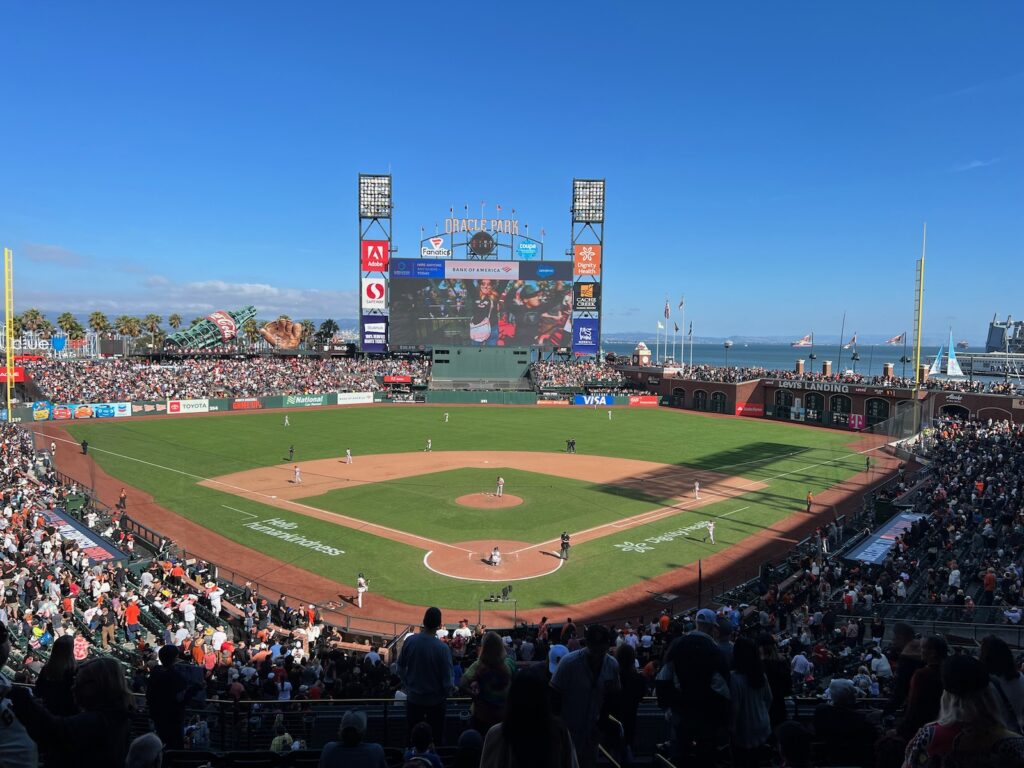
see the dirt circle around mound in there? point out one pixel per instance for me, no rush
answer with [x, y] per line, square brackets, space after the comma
[488, 501]
[467, 561]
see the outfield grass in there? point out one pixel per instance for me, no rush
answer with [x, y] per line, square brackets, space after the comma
[167, 457]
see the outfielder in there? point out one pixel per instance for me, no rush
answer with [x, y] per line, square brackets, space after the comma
[286, 420]
[362, 585]
[609, 415]
[446, 417]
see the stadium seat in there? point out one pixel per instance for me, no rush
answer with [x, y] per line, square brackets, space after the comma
[252, 759]
[184, 758]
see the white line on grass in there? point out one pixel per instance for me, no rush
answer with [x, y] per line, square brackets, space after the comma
[242, 512]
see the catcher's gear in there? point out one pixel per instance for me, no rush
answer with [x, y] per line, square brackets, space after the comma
[282, 333]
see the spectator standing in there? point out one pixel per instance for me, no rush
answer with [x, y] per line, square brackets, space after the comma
[1006, 681]
[582, 683]
[16, 746]
[97, 736]
[848, 736]
[487, 681]
[425, 666]
[751, 698]
[350, 751]
[925, 687]
[529, 736]
[166, 694]
[623, 704]
[54, 686]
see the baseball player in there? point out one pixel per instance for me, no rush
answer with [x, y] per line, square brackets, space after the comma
[564, 553]
[348, 455]
[696, 489]
[286, 420]
[429, 446]
[501, 487]
[362, 585]
[446, 417]
[291, 452]
[711, 531]
[297, 477]
[609, 415]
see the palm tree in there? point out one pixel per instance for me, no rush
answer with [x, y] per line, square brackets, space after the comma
[76, 332]
[308, 329]
[32, 320]
[327, 330]
[45, 329]
[99, 323]
[174, 321]
[66, 322]
[196, 321]
[123, 324]
[151, 323]
[251, 329]
[18, 328]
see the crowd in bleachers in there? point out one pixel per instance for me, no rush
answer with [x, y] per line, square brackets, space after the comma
[581, 375]
[118, 380]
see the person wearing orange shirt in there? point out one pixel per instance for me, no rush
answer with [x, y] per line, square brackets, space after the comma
[810, 500]
[131, 618]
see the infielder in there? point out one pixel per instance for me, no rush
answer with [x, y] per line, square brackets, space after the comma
[711, 531]
[297, 477]
[696, 489]
[501, 487]
[362, 585]
[429, 445]
[348, 455]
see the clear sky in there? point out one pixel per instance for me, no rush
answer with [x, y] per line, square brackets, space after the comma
[772, 161]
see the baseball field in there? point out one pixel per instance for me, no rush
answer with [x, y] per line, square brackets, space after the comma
[420, 524]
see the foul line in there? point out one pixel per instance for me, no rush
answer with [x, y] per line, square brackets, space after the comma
[240, 511]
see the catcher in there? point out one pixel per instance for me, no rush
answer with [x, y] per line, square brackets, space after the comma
[282, 333]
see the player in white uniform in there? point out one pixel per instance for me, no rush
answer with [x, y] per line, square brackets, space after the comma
[297, 478]
[446, 417]
[348, 455]
[501, 487]
[696, 489]
[286, 420]
[429, 445]
[711, 531]
[362, 585]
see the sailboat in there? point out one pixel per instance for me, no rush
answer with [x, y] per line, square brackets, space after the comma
[953, 369]
[806, 341]
[936, 367]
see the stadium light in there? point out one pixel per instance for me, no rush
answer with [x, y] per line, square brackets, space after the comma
[374, 196]
[588, 200]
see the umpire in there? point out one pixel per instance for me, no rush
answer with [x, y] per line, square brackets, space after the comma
[565, 546]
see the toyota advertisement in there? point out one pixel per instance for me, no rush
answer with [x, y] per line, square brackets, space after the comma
[480, 303]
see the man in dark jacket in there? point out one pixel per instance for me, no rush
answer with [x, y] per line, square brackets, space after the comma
[925, 688]
[425, 666]
[166, 695]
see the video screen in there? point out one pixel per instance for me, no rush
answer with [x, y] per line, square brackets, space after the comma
[481, 312]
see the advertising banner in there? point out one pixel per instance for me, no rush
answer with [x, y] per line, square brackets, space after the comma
[374, 294]
[374, 255]
[593, 400]
[552, 402]
[643, 400]
[585, 336]
[527, 250]
[143, 409]
[481, 270]
[17, 371]
[374, 333]
[513, 311]
[220, 404]
[246, 404]
[398, 379]
[749, 409]
[876, 548]
[102, 410]
[226, 325]
[90, 544]
[586, 297]
[308, 401]
[586, 260]
[198, 405]
[1018, 402]
[434, 248]
[354, 398]
[422, 268]
[856, 421]
[41, 411]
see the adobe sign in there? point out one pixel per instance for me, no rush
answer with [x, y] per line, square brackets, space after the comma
[374, 255]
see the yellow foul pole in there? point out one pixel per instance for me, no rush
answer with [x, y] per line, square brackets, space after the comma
[919, 309]
[9, 325]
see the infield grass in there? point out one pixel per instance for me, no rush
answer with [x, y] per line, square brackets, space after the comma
[167, 457]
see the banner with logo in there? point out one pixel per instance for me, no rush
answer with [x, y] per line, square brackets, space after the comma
[225, 323]
[1018, 402]
[246, 404]
[354, 398]
[527, 250]
[585, 336]
[593, 400]
[749, 409]
[148, 409]
[308, 401]
[89, 543]
[102, 410]
[374, 294]
[390, 379]
[552, 402]
[197, 405]
[374, 333]
[481, 270]
[433, 247]
[645, 401]
[586, 297]
[18, 374]
[586, 260]
[426, 268]
[876, 548]
[374, 255]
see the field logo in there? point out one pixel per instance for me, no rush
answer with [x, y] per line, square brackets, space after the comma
[282, 529]
[649, 544]
[374, 293]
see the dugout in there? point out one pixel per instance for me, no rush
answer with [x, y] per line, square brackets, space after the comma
[480, 368]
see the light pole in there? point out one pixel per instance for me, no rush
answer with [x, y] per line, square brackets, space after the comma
[727, 345]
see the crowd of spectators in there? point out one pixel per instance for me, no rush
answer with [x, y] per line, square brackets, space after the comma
[590, 375]
[120, 380]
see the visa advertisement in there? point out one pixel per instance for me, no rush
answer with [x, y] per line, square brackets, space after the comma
[480, 303]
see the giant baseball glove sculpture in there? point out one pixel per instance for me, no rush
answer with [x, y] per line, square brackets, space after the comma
[282, 333]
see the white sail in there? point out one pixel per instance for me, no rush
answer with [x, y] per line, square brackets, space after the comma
[936, 368]
[953, 365]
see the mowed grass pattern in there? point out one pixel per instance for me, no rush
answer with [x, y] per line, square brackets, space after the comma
[166, 457]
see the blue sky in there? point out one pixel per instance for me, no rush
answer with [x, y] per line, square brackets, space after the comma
[774, 162]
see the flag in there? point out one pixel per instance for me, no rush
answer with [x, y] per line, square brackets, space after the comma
[852, 342]
[668, 311]
[682, 303]
[499, 207]
[660, 326]
[897, 339]
[677, 327]
[691, 328]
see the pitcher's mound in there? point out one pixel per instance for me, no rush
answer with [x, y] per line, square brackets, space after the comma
[488, 501]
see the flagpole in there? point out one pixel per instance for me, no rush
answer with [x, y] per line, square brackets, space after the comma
[904, 354]
[691, 347]
[839, 362]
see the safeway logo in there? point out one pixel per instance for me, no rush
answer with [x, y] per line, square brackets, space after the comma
[374, 255]
[374, 292]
